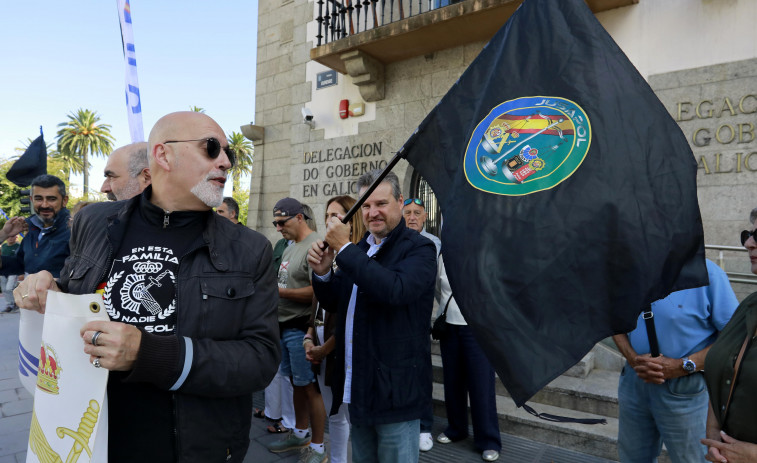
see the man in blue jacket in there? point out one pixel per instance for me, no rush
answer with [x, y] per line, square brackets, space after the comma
[45, 247]
[383, 293]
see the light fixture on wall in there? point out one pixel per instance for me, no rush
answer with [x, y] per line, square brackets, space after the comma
[256, 133]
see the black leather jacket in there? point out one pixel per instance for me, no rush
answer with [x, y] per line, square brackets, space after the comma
[226, 340]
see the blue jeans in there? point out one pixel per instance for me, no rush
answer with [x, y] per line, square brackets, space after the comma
[674, 412]
[293, 361]
[386, 443]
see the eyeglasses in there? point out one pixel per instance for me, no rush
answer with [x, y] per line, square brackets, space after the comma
[417, 201]
[280, 223]
[213, 146]
[746, 234]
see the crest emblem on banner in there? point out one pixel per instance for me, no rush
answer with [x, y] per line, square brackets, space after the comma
[49, 370]
[527, 145]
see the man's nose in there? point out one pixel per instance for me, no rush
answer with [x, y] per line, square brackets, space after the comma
[106, 187]
[223, 161]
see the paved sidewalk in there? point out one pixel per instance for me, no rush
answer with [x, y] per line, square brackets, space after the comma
[16, 406]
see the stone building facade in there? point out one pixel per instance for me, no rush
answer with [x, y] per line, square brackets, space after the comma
[700, 57]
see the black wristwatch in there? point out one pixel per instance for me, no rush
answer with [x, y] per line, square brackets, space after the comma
[689, 366]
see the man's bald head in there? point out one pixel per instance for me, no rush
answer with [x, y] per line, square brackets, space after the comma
[127, 172]
[188, 171]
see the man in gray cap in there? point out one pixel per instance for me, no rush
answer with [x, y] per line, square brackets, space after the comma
[295, 298]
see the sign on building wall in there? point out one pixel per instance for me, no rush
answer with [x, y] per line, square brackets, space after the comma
[333, 170]
[325, 79]
[716, 108]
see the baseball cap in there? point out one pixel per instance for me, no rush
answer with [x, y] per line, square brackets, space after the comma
[288, 207]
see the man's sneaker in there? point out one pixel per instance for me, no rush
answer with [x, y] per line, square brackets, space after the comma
[309, 455]
[290, 442]
[426, 442]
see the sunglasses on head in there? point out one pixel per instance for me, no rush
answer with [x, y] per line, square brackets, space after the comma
[280, 223]
[746, 234]
[213, 146]
[417, 201]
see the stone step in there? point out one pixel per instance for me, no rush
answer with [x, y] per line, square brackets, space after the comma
[589, 392]
[595, 393]
[599, 440]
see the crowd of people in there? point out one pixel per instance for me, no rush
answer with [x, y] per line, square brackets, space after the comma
[334, 325]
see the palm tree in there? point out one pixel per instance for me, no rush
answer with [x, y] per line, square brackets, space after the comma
[244, 151]
[82, 135]
[197, 109]
[70, 162]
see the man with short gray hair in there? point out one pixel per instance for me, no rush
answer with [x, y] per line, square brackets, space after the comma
[229, 208]
[127, 172]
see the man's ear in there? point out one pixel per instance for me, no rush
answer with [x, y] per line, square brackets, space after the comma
[145, 177]
[64, 201]
[161, 156]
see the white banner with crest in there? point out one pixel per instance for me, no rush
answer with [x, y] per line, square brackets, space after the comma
[70, 404]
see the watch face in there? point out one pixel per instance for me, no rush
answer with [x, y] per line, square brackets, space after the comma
[689, 365]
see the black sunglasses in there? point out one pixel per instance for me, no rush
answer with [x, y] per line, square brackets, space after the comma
[280, 223]
[417, 201]
[214, 148]
[745, 234]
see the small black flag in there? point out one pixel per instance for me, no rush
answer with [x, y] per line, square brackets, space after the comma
[568, 193]
[31, 164]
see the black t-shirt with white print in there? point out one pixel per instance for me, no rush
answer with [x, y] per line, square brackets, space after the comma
[141, 290]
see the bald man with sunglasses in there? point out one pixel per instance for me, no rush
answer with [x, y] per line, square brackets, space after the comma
[191, 299]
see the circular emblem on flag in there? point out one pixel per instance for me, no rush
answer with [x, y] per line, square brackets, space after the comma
[527, 145]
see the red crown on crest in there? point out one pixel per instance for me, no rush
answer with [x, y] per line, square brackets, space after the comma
[49, 370]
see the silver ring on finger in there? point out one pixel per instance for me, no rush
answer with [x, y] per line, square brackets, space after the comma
[96, 362]
[95, 336]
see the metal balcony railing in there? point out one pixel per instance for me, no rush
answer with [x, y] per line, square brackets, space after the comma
[338, 19]
[733, 277]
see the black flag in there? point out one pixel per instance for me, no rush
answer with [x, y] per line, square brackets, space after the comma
[567, 190]
[31, 164]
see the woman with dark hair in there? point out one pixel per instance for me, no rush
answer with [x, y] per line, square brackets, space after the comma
[731, 377]
[319, 342]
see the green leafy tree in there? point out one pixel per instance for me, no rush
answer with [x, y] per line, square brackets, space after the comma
[244, 151]
[10, 194]
[242, 197]
[197, 109]
[82, 135]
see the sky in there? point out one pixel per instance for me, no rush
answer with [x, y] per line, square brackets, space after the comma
[58, 57]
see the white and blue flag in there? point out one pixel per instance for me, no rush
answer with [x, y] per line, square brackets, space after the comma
[133, 101]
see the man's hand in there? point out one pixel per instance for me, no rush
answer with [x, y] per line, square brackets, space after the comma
[117, 345]
[730, 450]
[13, 226]
[337, 233]
[657, 369]
[320, 259]
[31, 294]
[314, 354]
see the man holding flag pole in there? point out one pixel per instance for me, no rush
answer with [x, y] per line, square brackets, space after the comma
[587, 184]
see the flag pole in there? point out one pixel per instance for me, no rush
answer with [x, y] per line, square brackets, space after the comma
[393, 162]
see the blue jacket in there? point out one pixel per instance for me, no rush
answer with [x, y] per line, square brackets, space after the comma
[391, 359]
[34, 256]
